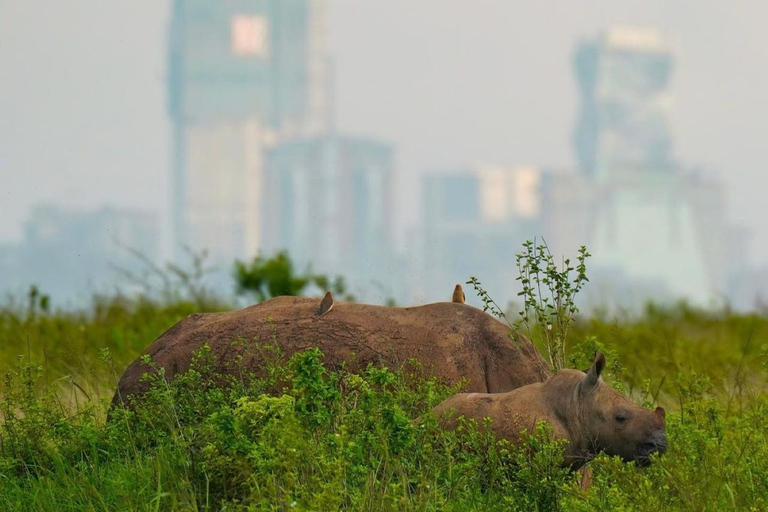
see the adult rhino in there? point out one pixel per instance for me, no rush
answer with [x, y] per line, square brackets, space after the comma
[581, 409]
[454, 341]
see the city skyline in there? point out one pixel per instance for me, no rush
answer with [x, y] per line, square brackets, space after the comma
[408, 169]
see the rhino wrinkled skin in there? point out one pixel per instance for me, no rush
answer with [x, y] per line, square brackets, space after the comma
[453, 341]
[582, 409]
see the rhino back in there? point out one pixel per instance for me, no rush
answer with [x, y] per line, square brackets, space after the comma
[453, 340]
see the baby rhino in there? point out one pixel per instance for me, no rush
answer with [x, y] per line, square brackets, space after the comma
[581, 409]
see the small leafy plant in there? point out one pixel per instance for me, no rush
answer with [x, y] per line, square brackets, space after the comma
[271, 277]
[549, 297]
[549, 293]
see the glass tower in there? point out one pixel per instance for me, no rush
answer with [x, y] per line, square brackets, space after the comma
[623, 124]
[241, 74]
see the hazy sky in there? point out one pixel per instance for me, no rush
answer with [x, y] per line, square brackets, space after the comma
[83, 117]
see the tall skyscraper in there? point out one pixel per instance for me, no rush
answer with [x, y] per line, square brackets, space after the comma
[330, 203]
[654, 227]
[660, 239]
[623, 123]
[242, 74]
[475, 221]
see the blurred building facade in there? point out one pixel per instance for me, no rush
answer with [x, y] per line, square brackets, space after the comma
[242, 76]
[623, 124]
[475, 220]
[71, 255]
[655, 228]
[660, 239]
[329, 202]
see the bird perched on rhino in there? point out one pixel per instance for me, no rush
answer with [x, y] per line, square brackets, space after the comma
[325, 305]
[458, 294]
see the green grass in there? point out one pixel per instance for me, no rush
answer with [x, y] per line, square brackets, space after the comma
[666, 347]
[71, 345]
[340, 441]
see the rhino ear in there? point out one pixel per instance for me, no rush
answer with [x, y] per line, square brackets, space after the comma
[593, 374]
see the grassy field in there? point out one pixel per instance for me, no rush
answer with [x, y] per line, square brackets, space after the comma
[336, 441]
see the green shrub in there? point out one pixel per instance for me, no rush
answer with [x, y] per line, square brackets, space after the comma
[329, 441]
[307, 438]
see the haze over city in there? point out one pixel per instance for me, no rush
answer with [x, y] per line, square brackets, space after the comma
[449, 84]
[357, 255]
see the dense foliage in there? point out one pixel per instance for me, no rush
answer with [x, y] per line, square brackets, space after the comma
[266, 277]
[310, 439]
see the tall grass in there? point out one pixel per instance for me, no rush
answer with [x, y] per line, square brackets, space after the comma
[70, 345]
[667, 346]
[340, 441]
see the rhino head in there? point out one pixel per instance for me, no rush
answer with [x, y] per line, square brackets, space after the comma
[610, 422]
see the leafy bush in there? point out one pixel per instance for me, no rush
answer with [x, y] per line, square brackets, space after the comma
[275, 276]
[343, 441]
[327, 441]
[549, 294]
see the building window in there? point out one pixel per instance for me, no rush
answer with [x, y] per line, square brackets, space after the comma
[250, 36]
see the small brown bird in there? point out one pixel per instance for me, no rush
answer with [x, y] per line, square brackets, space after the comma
[458, 294]
[325, 305]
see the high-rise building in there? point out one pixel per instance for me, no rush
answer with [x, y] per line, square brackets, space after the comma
[568, 210]
[330, 205]
[623, 124]
[655, 228]
[242, 74]
[475, 221]
[663, 236]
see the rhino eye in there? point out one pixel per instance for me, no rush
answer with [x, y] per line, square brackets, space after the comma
[621, 418]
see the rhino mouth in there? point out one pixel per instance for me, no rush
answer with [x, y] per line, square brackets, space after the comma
[642, 461]
[646, 449]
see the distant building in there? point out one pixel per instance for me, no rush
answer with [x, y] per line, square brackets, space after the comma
[242, 75]
[71, 255]
[655, 228]
[569, 208]
[666, 236]
[329, 203]
[624, 118]
[475, 221]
